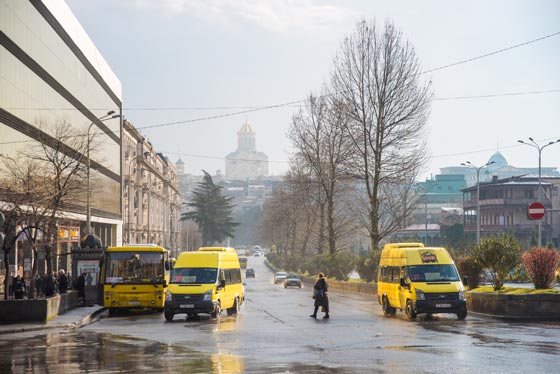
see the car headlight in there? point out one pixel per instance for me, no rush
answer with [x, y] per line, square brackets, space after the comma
[208, 295]
[462, 295]
[168, 296]
[420, 295]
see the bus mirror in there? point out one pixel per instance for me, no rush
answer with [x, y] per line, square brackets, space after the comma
[167, 265]
[164, 283]
[222, 283]
[403, 283]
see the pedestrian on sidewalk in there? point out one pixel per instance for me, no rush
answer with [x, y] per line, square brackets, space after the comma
[79, 284]
[39, 285]
[49, 284]
[18, 286]
[62, 282]
[320, 295]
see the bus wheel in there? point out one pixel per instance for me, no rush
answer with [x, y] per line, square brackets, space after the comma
[234, 309]
[410, 310]
[388, 310]
[217, 311]
[168, 315]
[462, 314]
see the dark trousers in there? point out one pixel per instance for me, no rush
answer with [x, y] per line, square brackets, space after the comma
[325, 306]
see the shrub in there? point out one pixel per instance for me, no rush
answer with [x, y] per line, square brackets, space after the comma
[500, 254]
[541, 264]
[367, 266]
[470, 268]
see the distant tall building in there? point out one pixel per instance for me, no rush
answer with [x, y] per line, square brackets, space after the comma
[246, 162]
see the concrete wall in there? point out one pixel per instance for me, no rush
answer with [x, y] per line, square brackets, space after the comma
[354, 287]
[37, 309]
[538, 307]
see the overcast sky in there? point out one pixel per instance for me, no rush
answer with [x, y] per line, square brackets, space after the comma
[183, 60]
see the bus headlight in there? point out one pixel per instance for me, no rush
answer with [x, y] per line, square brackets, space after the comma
[168, 296]
[420, 295]
[462, 295]
[208, 295]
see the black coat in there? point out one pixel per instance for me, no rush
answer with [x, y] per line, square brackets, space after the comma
[321, 284]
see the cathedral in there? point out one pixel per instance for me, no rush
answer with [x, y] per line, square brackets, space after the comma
[246, 162]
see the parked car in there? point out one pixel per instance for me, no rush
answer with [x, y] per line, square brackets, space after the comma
[280, 276]
[292, 280]
[250, 273]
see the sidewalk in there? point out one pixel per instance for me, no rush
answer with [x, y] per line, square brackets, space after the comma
[71, 319]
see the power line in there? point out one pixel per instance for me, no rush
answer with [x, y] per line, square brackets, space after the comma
[279, 105]
[491, 53]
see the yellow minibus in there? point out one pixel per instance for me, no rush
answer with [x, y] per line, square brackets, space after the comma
[205, 281]
[417, 279]
[134, 276]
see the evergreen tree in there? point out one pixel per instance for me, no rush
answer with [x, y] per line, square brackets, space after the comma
[212, 212]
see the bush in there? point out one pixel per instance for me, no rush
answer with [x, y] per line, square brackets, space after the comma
[367, 266]
[541, 264]
[470, 268]
[500, 254]
[340, 264]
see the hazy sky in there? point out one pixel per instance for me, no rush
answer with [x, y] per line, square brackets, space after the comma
[183, 60]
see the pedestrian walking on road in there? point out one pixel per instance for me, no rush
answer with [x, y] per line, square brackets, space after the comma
[62, 282]
[320, 295]
[49, 284]
[18, 286]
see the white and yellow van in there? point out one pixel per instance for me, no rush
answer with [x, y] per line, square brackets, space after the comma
[419, 279]
[205, 281]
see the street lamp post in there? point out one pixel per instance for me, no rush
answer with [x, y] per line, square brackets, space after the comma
[130, 198]
[110, 115]
[478, 195]
[539, 148]
[425, 210]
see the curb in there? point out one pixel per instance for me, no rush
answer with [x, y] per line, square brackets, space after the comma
[72, 326]
[87, 319]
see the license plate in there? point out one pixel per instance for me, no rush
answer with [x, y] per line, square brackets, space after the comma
[443, 305]
[187, 306]
[134, 303]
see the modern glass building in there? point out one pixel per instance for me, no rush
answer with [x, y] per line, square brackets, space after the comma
[52, 73]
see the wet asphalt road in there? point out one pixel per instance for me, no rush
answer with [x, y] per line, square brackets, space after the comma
[273, 334]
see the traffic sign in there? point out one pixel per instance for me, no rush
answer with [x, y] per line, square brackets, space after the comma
[536, 210]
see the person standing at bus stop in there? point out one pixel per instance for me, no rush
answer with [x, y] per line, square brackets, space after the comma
[79, 284]
[18, 286]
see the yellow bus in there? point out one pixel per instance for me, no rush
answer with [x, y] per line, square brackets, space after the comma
[134, 276]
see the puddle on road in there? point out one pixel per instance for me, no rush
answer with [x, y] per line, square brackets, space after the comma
[88, 352]
[92, 353]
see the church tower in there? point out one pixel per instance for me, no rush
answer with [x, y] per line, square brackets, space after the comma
[246, 162]
[246, 138]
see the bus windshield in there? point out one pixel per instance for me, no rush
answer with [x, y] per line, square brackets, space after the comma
[193, 275]
[433, 273]
[134, 267]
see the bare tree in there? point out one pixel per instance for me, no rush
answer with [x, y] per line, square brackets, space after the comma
[44, 182]
[377, 77]
[319, 139]
[289, 218]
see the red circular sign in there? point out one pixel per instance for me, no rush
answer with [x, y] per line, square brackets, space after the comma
[536, 210]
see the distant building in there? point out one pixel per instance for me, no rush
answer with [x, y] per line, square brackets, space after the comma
[499, 167]
[503, 208]
[246, 162]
